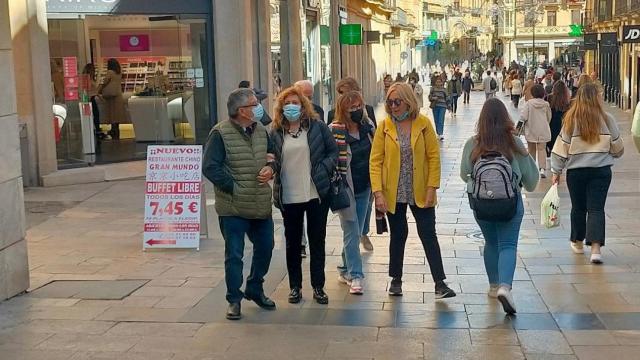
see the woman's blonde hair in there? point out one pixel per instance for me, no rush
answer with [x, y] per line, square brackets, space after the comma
[583, 79]
[585, 114]
[308, 114]
[405, 93]
[344, 103]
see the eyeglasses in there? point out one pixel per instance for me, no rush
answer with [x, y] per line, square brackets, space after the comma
[394, 102]
[250, 105]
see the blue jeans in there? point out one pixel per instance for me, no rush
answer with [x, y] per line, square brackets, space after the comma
[352, 230]
[438, 118]
[367, 219]
[501, 243]
[260, 233]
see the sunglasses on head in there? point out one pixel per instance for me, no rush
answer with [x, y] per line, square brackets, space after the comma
[394, 102]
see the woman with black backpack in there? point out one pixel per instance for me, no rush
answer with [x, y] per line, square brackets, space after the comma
[498, 160]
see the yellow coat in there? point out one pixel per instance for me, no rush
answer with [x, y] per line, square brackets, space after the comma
[385, 160]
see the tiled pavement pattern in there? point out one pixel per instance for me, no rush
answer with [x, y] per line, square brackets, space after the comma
[568, 309]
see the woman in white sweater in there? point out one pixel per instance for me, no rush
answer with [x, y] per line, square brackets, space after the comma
[536, 116]
[587, 147]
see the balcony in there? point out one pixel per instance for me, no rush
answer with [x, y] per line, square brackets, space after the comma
[401, 19]
[545, 30]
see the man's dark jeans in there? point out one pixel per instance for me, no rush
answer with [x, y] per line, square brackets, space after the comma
[426, 224]
[588, 188]
[260, 233]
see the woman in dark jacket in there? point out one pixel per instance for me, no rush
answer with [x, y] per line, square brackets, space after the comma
[305, 157]
[559, 101]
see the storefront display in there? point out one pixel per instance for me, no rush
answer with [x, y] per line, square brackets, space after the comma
[165, 76]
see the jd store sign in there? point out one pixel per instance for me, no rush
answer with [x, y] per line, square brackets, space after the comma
[631, 34]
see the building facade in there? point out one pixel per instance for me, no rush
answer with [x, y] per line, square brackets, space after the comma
[613, 48]
[14, 268]
[470, 27]
[537, 32]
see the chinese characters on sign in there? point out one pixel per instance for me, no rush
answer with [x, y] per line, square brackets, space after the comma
[172, 197]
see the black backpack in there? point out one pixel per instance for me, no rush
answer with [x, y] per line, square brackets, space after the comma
[494, 84]
[494, 196]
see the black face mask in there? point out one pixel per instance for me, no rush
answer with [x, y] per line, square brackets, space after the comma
[356, 115]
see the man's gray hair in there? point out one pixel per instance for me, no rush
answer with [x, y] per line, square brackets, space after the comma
[237, 99]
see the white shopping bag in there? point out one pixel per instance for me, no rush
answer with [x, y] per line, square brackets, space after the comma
[549, 209]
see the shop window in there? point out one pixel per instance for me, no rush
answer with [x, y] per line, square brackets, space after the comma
[118, 89]
[551, 18]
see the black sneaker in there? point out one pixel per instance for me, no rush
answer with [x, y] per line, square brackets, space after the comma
[395, 289]
[303, 252]
[443, 291]
[320, 296]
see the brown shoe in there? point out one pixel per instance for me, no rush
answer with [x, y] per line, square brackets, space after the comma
[366, 243]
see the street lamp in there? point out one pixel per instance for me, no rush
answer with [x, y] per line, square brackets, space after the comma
[532, 18]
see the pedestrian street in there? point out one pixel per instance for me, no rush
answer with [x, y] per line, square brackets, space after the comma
[96, 295]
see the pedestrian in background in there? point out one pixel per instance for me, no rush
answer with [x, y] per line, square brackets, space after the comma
[467, 85]
[494, 135]
[635, 126]
[305, 156]
[353, 132]
[588, 145]
[417, 90]
[516, 90]
[405, 147]
[526, 89]
[260, 95]
[490, 85]
[238, 160]
[110, 90]
[306, 88]
[536, 116]
[559, 101]
[439, 103]
[454, 90]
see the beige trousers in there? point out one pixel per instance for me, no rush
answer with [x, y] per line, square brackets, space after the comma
[539, 150]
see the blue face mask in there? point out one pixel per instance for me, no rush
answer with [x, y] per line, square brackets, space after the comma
[402, 117]
[258, 112]
[292, 112]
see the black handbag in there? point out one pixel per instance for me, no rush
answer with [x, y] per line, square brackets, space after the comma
[338, 195]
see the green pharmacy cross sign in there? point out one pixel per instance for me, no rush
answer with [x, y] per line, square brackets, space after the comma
[433, 36]
[351, 34]
[577, 30]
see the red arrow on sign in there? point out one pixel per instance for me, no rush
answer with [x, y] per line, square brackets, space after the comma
[152, 242]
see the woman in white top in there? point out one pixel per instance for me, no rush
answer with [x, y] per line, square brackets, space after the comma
[516, 90]
[305, 156]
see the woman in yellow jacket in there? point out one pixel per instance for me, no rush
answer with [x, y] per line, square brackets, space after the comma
[405, 172]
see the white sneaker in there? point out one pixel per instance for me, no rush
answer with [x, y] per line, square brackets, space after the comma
[577, 247]
[344, 280]
[505, 298]
[493, 291]
[356, 287]
[596, 258]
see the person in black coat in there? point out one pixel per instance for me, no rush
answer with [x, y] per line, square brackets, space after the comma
[305, 154]
[467, 85]
[260, 95]
[344, 86]
[306, 88]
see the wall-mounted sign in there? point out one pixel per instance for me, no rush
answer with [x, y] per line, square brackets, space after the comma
[590, 41]
[351, 34]
[388, 36]
[631, 34]
[128, 7]
[137, 42]
[314, 4]
[608, 42]
[577, 30]
[372, 37]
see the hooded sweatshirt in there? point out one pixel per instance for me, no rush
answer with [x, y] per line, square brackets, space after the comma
[536, 114]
